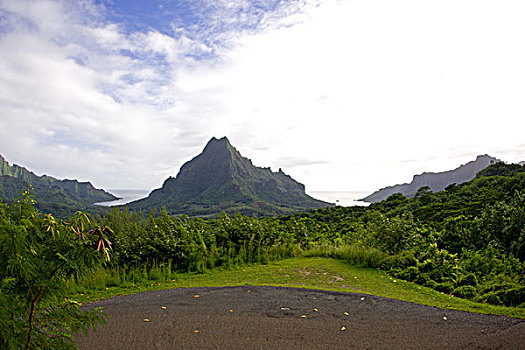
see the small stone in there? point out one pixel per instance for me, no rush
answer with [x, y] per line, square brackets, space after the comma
[343, 329]
[146, 320]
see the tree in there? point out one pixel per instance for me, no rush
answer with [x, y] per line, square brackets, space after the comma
[38, 254]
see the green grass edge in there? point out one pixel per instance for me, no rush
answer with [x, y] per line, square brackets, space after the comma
[304, 272]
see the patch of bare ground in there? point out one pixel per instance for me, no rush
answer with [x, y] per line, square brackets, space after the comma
[289, 318]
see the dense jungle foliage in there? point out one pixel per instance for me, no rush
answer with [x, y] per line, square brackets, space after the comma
[468, 240]
[38, 256]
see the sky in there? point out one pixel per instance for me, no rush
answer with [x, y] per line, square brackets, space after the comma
[342, 95]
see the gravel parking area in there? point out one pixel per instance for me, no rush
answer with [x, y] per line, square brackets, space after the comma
[250, 317]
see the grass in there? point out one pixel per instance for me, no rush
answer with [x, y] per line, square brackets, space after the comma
[313, 273]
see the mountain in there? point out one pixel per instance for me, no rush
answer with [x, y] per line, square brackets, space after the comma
[435, 181]
[60, 197]
[221, 179]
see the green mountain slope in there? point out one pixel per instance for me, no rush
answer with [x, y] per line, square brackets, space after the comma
[435, 181]
[60, 197]
[221, 179]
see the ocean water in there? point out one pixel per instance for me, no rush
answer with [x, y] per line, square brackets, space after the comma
[343, 198]
[125, 196]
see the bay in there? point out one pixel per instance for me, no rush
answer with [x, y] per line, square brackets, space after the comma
[342, 198]
[125, 196]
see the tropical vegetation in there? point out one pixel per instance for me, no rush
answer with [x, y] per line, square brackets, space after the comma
[466, 242]
[38, 255]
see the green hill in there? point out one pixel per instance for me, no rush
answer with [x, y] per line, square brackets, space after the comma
[221, 179]
[60, 197]
[435, 181]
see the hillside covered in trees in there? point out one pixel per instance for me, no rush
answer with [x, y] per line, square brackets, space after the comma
[60, 197]
[468, 240]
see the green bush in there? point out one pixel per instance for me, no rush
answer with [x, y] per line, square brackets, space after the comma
[465, 292]
[408, 274]
[468, 280]
[38, 257]
[401, 260]
[514, 296]
[491, 297]
[423, 279]
[446, 287]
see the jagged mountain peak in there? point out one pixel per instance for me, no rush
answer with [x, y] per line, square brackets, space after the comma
[221, 179]
[217, 145]
[223, 141]
[220, 149]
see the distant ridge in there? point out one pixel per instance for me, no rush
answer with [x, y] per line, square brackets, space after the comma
[60, 197]
[221, 179]
[435, 181]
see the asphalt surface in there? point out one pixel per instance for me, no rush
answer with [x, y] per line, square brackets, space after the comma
[290, 318]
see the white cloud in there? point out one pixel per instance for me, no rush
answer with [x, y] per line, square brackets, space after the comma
[337, 93]
[376, 84]
[73, 105]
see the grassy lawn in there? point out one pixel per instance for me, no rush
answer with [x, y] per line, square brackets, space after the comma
[313, 273]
